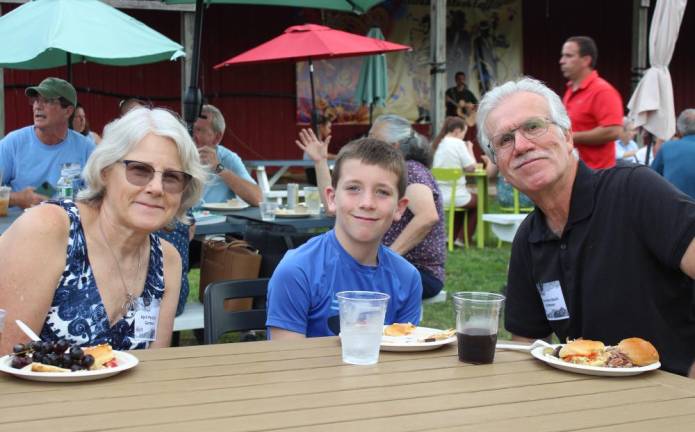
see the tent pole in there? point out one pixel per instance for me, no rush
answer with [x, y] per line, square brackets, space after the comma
[192, 102]
[68, 66]
[314, 119]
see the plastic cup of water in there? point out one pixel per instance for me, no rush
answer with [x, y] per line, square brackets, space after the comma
[312, 199]
[362, 315]
[268, 210]
[2, 322]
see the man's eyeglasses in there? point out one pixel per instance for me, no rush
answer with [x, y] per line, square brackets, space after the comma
[531, 129]
[43, 101]
[140, 174]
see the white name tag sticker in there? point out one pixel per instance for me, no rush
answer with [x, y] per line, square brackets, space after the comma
[146, 318]
[553, 300]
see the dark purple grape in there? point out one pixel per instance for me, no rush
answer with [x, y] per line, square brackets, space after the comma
[50, 359]
[75, 368]
[18, 362]
[46, 347]
[62, 345]
[35, 346]
[88, 361]
[66, 360]
[37, 357]
[19, 348]
[76, 353]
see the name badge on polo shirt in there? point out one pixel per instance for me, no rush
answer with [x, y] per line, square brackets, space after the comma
[553, 300]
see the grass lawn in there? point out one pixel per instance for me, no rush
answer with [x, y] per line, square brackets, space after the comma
[466, 270]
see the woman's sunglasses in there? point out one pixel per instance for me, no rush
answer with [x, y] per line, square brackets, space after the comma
[140, 174]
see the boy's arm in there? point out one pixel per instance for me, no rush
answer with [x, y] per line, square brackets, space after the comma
[288, 301]
[281, 334]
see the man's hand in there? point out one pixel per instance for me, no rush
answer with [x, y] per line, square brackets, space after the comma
[208, 156]
[26, 198]
[314, 147]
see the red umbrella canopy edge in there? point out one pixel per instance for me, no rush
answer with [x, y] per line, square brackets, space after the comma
[312, 41]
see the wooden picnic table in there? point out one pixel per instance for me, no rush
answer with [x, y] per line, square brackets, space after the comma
[304, 386]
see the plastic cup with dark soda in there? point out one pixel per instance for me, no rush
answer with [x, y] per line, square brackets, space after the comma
[477, 323]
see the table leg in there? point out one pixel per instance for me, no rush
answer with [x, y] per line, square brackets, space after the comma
[481, 185]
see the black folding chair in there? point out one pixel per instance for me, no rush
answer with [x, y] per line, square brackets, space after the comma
[219, 321]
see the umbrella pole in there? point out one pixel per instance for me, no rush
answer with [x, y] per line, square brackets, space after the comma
[314, 120]
[192, 101]
[68, 66]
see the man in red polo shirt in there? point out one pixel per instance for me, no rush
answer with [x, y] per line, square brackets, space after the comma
[594, 106]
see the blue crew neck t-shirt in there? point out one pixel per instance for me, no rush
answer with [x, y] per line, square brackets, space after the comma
[301, 293]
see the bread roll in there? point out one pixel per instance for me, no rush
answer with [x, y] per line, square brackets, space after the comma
[581, 348]
[399, 329]
[639, 351]
[40, 367]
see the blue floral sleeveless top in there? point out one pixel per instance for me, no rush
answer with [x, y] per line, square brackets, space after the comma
[77, 312]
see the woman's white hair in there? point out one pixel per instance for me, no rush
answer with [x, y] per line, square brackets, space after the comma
[493, 98]
[123, 134]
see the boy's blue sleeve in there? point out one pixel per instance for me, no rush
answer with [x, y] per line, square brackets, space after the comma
[289, 297]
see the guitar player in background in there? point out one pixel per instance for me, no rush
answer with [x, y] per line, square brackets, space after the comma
[461, 102]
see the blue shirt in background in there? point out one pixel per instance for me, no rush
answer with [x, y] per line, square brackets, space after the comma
[26, 161]
[216, 190]
[676, 162]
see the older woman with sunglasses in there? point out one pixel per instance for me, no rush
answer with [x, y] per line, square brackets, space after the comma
[92, 271]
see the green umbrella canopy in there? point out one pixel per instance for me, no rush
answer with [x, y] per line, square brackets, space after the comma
[356, 6]
[39, 35]
[372, 86]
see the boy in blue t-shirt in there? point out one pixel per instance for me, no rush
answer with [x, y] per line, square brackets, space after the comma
[367, 195]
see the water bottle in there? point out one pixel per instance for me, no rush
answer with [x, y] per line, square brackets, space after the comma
[262, 178]
[64, 185]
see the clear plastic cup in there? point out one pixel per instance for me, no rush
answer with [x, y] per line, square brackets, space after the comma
[2, 322]
[312, 199]
[477, 323]
[268, 210]
[4, 199]
[362, 315]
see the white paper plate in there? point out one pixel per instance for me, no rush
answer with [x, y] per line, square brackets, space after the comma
[590, 370]
[125, 361]
[410, 342]
[233, 204]
[285, 213]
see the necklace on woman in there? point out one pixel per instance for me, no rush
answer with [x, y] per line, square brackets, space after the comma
[129, 303]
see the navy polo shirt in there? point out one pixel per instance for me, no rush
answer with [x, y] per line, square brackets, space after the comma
[615, 271]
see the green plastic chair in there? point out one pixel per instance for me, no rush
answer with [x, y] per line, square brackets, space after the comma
[452, 175]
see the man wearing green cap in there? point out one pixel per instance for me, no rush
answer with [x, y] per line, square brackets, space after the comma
[34, 155]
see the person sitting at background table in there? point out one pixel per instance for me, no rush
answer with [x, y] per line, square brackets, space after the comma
[625, 146]
[366, 194]
[419, 235]
[80, 124]
[145, 174]
[228, 175]
[451, 151]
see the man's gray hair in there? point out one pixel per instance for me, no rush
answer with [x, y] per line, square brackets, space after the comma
[686, 122]
[216, 118]
[493, 98]
[120, 138]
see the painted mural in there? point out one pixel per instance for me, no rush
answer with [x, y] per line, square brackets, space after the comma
[483, 40]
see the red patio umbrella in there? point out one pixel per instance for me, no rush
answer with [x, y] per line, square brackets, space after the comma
[310, 42]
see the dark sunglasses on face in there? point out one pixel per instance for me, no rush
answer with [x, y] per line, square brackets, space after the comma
[140, 174]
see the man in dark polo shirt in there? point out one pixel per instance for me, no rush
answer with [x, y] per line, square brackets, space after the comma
[594, 106]
[572, 272]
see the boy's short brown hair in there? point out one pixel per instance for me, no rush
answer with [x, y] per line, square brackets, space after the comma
[371, 151]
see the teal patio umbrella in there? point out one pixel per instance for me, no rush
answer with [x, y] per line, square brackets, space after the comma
[44, 34]
[193, 99]
[373, 84]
